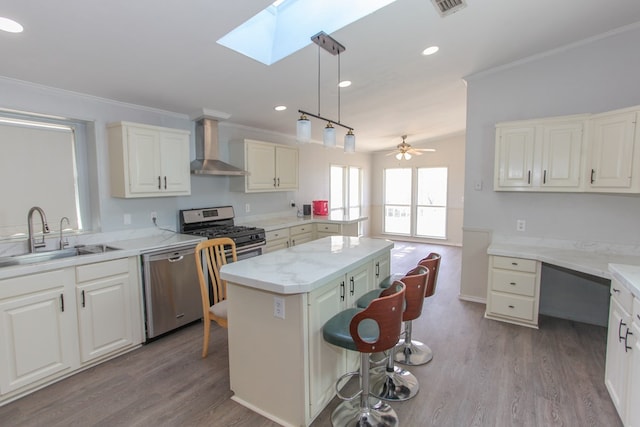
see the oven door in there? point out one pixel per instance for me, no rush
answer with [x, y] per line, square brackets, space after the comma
[247, 252]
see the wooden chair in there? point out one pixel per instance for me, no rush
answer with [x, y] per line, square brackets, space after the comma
[214, 306]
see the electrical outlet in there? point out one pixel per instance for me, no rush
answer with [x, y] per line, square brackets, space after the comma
[154, 217]
[278, 307]
[247, 207]
[520, 225]
[126, 219]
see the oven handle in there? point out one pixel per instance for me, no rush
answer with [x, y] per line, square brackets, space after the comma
[176, 259]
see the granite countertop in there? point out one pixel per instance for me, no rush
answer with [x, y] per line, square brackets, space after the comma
[274, 223]
[628, 275]
[303, 268]
[129, 244]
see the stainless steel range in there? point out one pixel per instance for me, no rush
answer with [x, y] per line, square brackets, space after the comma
[219, 222]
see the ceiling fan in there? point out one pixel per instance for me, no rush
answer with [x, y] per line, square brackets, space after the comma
[405, 151]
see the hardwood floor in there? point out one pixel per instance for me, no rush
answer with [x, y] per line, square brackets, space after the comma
[484, 373]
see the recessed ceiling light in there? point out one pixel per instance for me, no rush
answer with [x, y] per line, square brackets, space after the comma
[430, 50]
[345, 83]
[280, 108]
[9, 25]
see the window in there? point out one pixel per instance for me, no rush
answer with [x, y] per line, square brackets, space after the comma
[346, 191]
[415, 202]
[41, 164]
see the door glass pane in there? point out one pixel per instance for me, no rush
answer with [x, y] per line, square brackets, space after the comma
[431, 221]
[397, 219]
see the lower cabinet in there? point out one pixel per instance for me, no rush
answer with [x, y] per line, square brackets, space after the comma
[290, 236]
[301, 234]
[56, 322]
[513, 293]
[332, 229]
[327, 362]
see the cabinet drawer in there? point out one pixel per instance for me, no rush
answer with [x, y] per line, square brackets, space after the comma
[282, 233]
[513, 282]
[517, 264]
[512, 306]
[329, 228]
[85, 273]
[300, 229]
[622, 295]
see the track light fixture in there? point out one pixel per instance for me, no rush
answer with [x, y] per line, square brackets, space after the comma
[303, 126]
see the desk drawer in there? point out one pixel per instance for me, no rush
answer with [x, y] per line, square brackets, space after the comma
[517, 264]
[512, 306]
[514, 282]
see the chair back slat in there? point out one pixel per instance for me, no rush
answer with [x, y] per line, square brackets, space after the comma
[215, 257]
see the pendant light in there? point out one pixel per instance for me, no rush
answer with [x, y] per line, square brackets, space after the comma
[303, 126]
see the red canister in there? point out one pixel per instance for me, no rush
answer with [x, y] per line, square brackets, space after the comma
[320, 207]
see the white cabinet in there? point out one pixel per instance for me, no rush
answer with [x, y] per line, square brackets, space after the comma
[148, 161]
[334, 229]
[633, 408]
[301, 234]
[271, 167]
[276, 240]
[619, 350]
[539, 155]
[381, 268]
[104, 296]
[38, 339]
[513, 293]
[613, 156]
[328, 362]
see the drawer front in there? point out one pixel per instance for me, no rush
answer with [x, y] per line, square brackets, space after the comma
[512, 306]
[85, 273]
[513, 282]
[282, 233]
[622, 295]
[329, 228]
[517, 264]
[301, 229]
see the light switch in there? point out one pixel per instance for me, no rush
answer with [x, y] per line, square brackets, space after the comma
[278, 307]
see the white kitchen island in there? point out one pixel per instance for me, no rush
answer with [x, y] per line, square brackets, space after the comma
[279, 364]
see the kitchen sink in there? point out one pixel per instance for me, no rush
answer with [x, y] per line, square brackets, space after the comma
[35, 257]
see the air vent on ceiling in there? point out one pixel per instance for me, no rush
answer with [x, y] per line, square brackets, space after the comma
[447, 7]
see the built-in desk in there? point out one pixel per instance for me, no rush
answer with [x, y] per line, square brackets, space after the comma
[548, 277]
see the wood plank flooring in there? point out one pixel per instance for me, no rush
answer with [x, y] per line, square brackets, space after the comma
[484, 373]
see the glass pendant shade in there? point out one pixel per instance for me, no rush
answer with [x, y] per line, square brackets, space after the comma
[350, 142]
[399, 156]
[303, 130]
[329, 136]
[407, 156]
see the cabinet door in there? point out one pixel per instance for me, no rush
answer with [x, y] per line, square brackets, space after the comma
[561, 154]
[299, 239]
[104, 316]
[37, 333]
[286, 168]
[174, 155]
[381, 268]
[616, 365]
[612, 146]
[326, 361]
[144, 170]
[633, 409]
[514, 156]
[260, 160]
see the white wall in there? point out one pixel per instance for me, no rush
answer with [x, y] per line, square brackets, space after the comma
[107, 212]
[449, 153]
[592, 77]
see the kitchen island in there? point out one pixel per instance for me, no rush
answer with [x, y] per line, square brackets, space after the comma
[279, 364]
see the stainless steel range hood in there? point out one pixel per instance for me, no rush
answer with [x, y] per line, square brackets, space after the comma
[207, 151]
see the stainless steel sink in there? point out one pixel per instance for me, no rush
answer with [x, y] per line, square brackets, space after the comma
[35, 257]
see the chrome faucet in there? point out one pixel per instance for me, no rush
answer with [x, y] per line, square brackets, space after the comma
[45, 229]
[65, 242]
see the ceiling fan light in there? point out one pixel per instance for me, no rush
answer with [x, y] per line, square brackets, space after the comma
[399, 156]
[329, 136]
[349, 142]
[303, 130]
[407, 156]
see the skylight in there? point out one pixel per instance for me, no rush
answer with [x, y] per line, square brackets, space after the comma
[286, 26]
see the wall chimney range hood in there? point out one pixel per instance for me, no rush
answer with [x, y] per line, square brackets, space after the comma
[207, 160]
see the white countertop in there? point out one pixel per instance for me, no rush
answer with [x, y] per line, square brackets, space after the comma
[628, 275]
[274, 223]
[159, 240]
[303, 268]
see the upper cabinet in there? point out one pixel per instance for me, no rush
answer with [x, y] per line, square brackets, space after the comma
[592, 153]
[613, 154]
[540, 155]
[148, 161]
[271, 167]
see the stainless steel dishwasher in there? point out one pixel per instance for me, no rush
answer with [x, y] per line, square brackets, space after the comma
[171, 289]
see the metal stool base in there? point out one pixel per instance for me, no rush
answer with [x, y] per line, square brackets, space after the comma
[350, 414]
[393, 386]
[414, 353]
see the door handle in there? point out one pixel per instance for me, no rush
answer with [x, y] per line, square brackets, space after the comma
[83, 301]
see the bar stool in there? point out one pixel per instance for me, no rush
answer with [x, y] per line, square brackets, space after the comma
[374, 329]
[390, 382]
[409, 351]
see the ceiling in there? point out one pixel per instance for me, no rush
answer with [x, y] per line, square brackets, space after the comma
[163, 54]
